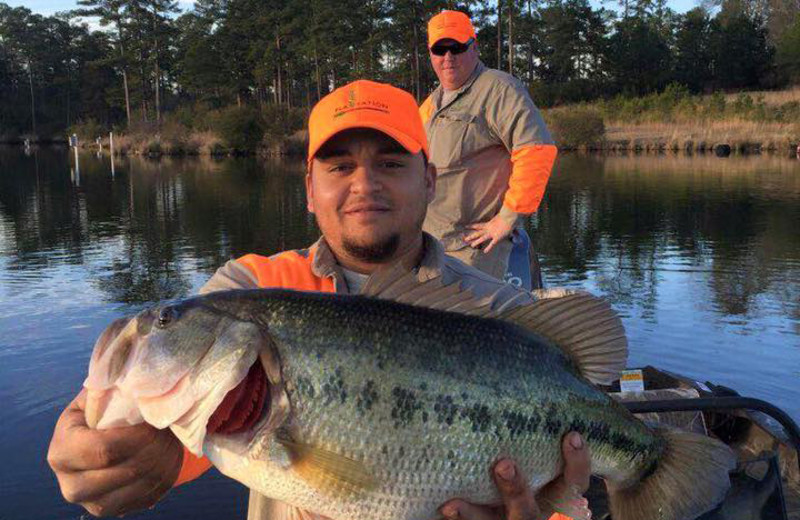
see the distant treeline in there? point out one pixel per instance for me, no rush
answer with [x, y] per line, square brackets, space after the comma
[149, 63]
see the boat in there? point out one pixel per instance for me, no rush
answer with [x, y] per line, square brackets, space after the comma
[766, 482]
[523, 262]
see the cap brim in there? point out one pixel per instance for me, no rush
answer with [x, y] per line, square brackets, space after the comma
[459, 39]
[404, 140]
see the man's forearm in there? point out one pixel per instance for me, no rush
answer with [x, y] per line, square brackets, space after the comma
[531, 166]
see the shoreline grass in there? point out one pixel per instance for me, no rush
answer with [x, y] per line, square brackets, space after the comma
[745, 122]
[672, 120]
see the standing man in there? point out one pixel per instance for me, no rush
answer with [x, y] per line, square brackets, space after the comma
[491, 148]
[368, 185]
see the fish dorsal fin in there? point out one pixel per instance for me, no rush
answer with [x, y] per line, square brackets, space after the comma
[583, 325]
[330, 472]
[398, 284]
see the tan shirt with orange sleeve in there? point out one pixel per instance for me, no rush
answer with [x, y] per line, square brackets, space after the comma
[492, 152]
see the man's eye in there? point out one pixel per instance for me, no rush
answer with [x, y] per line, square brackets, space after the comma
[393, 164]
[340, 168]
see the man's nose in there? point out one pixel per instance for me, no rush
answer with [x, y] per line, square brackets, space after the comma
[365, 180]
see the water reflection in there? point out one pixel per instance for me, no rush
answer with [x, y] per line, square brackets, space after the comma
[630, 220]
[152, 223]
[700, 255]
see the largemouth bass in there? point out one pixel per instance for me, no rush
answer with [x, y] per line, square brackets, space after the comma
[359, 407]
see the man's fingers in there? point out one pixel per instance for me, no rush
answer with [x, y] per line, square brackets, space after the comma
[577, 509]
[577, 463]
[480, 240]
[560, 494]
[138, 495]
[148, 498]
[89, 449]
[491, 245]
[473, 236]
[80, 448]
[461, 510]
[517, 496]
[90, 486]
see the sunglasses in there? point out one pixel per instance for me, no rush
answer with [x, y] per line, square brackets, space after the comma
[452, 48]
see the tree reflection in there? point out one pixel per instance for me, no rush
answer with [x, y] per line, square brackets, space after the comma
[154, 225]
[625, 224]
[623, 221]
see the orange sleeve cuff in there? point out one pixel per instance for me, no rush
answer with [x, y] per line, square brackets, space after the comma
[559, 516]
[530, 170]
[191, 468]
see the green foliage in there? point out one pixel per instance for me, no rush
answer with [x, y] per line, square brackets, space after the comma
[241, 128]
[282, 121]
[788, 52]
[716, 104]
[639, 57]
[216, 149]
[787, 113]
[88, 130]
[693, 53]
[148, 67]
[154, 148]
[576, 127]
[572, 42]
[676, 104]
[743, 54]
[743, 104]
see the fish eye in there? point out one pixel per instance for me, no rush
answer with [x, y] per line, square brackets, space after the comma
[166, 316]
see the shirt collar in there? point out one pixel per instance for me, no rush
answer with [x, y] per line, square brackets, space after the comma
[479, 68]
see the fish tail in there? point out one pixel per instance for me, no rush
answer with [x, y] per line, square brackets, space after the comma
[689, 479]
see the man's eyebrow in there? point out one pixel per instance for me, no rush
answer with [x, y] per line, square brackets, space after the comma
[331, 153]
[393, 148]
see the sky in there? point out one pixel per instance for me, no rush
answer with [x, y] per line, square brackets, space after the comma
[49, 7]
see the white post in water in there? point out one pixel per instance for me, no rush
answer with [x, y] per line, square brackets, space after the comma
[74, 142]
[111, 150]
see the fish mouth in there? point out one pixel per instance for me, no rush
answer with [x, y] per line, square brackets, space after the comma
[243, 406]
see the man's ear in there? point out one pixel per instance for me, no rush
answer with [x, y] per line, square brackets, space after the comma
[309, 190]
[430, 182]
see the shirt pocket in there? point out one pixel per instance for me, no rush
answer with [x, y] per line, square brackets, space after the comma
[452, 133]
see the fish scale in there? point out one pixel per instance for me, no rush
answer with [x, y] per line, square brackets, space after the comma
[515, 381]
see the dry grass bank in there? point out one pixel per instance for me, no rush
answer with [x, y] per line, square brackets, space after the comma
[191, 143]
[741, 135]
[205, 143]
[771, 97]
[671, 164]
[742, 122]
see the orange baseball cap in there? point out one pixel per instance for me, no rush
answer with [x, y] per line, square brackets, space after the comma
[454, 25]
[367, 104]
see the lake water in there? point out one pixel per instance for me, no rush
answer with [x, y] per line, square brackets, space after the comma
[700, 255]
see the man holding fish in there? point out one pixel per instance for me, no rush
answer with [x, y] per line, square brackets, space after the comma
[368, 184]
